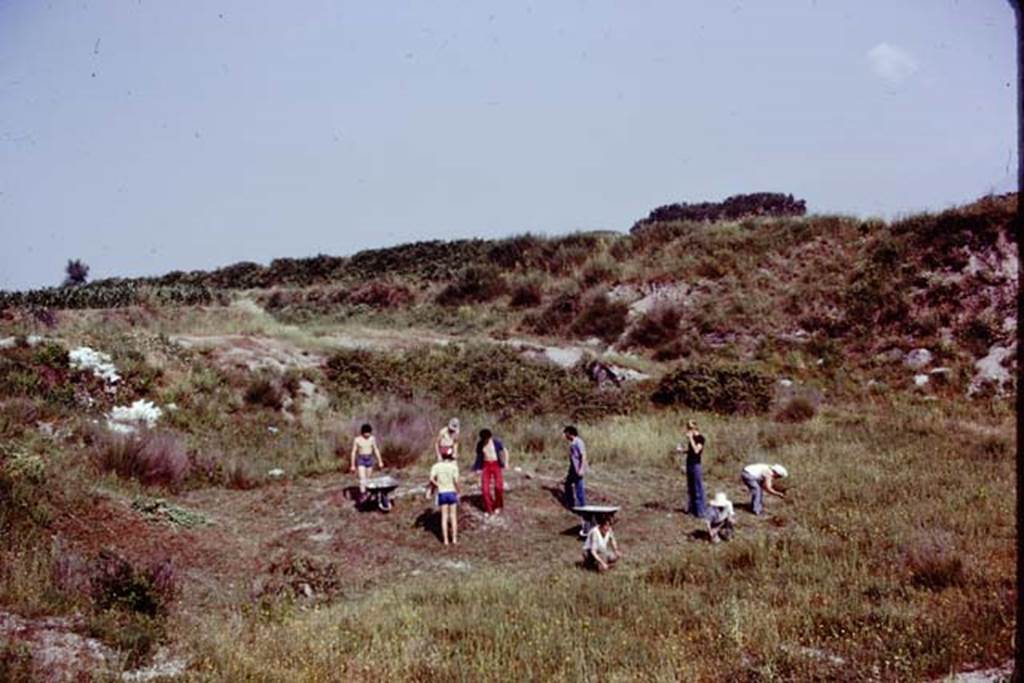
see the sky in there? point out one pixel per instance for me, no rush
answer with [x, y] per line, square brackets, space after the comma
[144, 136]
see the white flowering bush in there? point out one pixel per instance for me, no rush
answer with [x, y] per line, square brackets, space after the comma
[99, 363]
[127, 419]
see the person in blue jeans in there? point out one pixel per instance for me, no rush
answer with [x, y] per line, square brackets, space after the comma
[758, 479]
[694, 447]
[575, 494]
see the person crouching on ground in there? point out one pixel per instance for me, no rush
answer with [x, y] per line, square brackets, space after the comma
[448, 440]
[600, 551]
[758, 478]
[364, 453]
[720, 518]
[491, 458]
[444, 477]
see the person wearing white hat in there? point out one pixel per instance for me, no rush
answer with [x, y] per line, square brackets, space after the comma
[448, 441]
[758, 478]
[720, 518]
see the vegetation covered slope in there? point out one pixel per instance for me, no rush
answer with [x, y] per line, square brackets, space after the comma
[223, 536]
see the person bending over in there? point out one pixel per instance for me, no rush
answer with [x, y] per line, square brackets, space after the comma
[758, 479]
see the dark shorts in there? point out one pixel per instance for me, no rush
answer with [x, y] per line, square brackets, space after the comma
[448, 498]
[364, 460]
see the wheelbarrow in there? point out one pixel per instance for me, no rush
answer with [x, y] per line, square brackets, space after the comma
[378, 492]
[593, 515]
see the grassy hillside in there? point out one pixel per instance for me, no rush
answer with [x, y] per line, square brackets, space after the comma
[222, 543]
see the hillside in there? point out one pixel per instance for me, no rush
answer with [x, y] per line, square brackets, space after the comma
[175, 500]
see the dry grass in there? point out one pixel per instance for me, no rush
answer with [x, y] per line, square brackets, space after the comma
[839, 570]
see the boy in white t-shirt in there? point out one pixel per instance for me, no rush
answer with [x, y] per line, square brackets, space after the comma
[600, 551]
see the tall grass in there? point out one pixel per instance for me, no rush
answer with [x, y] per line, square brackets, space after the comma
[839, 582]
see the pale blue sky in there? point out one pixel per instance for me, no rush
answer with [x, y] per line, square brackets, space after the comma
[145, 136]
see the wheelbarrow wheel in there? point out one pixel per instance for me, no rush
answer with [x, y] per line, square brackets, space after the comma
[384, 502]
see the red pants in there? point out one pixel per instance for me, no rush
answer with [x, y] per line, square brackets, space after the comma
[492, 471]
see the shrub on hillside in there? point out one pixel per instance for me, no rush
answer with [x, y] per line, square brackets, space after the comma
[133, 601]
[476, 377]
[264, 392]
[381, 294]
[153, 458]
[600, 317]
[798, 408]
[118, 584]
[527, 293]
[599, 269]
[554, 318]
[732, 208]
[727, 390]
[933, 563]
[474, 284]
[655, 328]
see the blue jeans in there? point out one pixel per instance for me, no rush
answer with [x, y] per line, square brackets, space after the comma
[575, 495]
[695, 489]
[756, 493]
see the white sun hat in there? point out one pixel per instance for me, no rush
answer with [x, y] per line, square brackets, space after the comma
[780, 470]
[453, 424]
[721, 500]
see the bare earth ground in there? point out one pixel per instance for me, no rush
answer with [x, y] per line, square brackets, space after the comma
[250, 534]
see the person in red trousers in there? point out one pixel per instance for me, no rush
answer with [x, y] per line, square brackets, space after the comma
[491, 459]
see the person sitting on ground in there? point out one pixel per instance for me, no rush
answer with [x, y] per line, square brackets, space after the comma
[364, 453]
[720, 518]
[758, 478]
[491, 458]
[600, 551]
[448, 440]
[444, 478]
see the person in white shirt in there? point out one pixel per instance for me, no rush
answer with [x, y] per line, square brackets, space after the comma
[444, 478]
[448, 440]
[720, 518]
[600, 551]
[758, 478]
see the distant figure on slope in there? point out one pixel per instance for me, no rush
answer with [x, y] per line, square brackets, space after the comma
[575, 493]
[444, 477]
[600, 551]
[448, 440]
[694, 448]
[491, 459]
[758, 478]
[364, 453]
[721, 518]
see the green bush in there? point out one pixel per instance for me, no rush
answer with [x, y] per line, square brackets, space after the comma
[527, 293]
[657, 327]
[474, 284]
[727, 390]
[554, 318]
[488, 378]
[600, 317]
